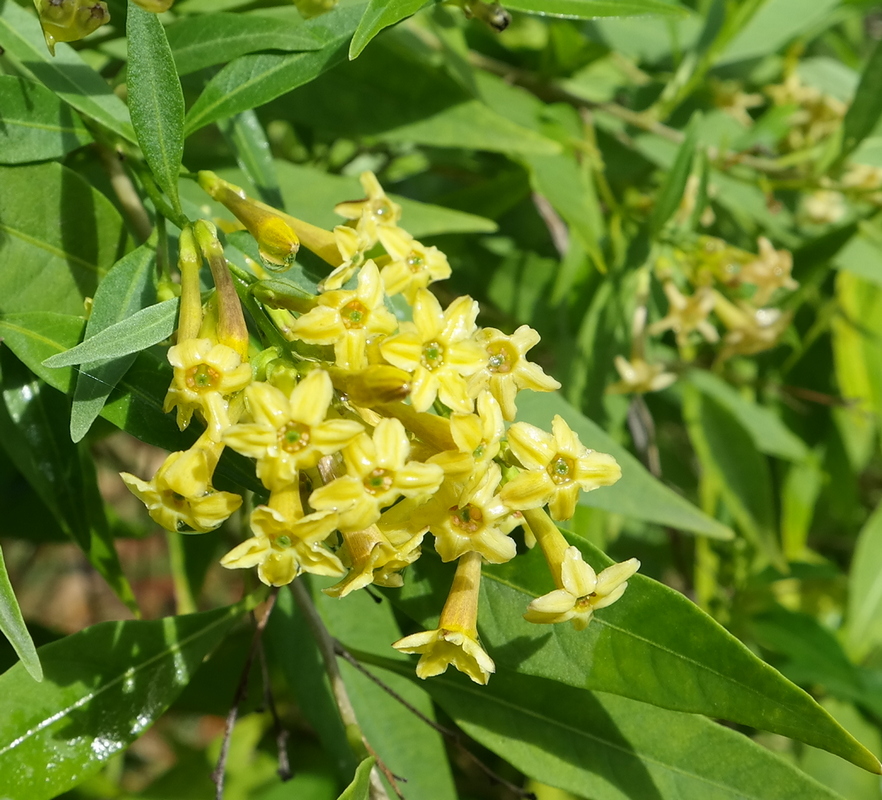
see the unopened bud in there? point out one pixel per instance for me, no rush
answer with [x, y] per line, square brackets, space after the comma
[491, 14]
[277, 242]
[313, 8]
[372, 386]
[155, 6]
[70, 20]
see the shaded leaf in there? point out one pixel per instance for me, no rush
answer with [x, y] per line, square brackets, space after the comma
[612, 748]
[34, 434]
[208, 39]
[253, 80]
[71, 78]
[13, 627]
[769, 434]
[381, 14]
[866, 107]
[689, 663]
[58, 236]
[35, 125]
[103, 687]
[252, 148]
[137, 332]
[638, 494]
[156, 100]
[36, 335]
[127, 288]
[671, 193]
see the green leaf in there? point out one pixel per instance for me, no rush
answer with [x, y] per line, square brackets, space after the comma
[769, 434]
[127, 289]
[36, 335]
[378, 15]
[728, 454]
[58, 236]
[36, 124]
[143, 329]
[403, 742]
[102, 688]
[252, 148]
[866, 107]
[671, 193]
[653, 645]
[253, 80]
[611, 748]
[638, 494]
[360, 788]
[34, 435]
[156, 100]
[71, 78]
[591, 9]
[865, 588]
[208, 39]
[12, 626]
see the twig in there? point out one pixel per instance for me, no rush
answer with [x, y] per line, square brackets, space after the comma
[284, 771]
[449, 734]
[125, 192]
[220, 770]
[325, 643]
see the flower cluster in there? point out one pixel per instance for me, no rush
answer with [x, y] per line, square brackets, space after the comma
[369, 432]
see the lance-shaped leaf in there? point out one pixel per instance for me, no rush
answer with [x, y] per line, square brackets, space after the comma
[13, 627]
[147, 327]
[638, 494]
[866, 107]
[653, 645]
[71, 78]
[378, 15]
[208, 39]
[360, 788]
[865, 588]
[156, 101]
[37, 125]
[672, 189]
[102, 688]
[33, 433]
[253, 80]
[609, 747]
[127, 288]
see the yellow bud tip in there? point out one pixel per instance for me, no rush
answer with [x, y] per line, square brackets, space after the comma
[277, 243]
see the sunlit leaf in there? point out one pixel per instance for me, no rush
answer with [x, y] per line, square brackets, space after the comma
[360, 788]
[381, 14]
[13, 627]
[591, 9]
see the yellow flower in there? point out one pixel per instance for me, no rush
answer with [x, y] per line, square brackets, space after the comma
[770, 271]
[205, 375]
[479, 434]
[557, 467]
[290, 433]
[751, 330]
[640, 376]
[439, 350]
[581, 591]
[687, 314]
[378, 474]
[284, 546]
[455, 640]
[413, 265]
[352, 245]
[506, 370]
[373, 558]
[180, 496]
[373, 213]
[346, 319]
[475, 521]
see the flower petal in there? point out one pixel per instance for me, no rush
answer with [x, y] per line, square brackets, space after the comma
[532, 446]
[311, 397]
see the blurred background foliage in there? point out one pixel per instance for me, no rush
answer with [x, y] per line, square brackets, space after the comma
[682, 198]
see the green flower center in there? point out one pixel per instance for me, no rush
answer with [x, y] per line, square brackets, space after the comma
[202, 378]
[561, 470]
[415, 262]
[468, 519]
[433, 356]
[293, 437]
[283, 542]
[379, 481]
[354, 314]
[503, 357]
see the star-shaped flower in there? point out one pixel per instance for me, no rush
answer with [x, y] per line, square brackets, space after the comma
[582, 591]
[413, 266]
[290, 433]
[373, 213]
[687, 314]
[439, 350]
[556, 467]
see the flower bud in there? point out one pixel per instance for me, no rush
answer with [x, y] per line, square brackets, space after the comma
[70, 20]
[155, 6]
[372, 386]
